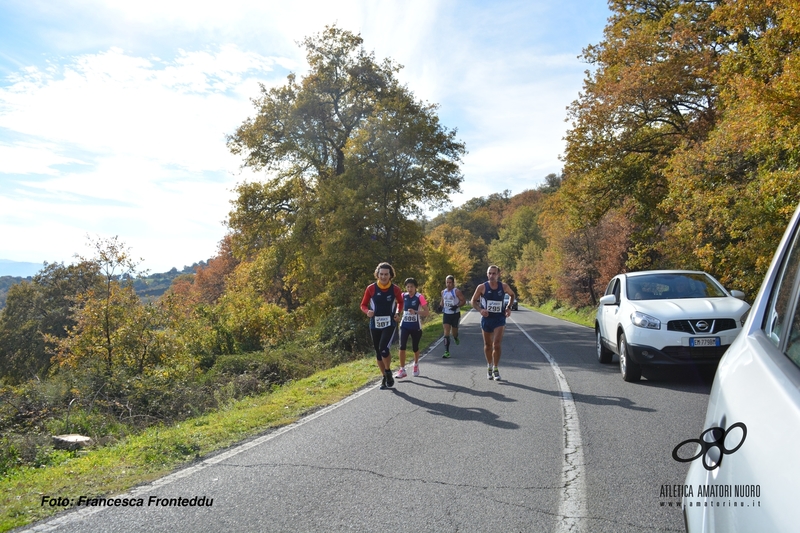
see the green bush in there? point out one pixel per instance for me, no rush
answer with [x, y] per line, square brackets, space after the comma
[94, 424]
[30, 449]
[344, 329]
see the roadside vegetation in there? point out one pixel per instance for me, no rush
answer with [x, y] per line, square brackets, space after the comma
[682, 152]
[154, 452]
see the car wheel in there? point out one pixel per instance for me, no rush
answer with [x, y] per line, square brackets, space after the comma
[631, 371]
[604, 355]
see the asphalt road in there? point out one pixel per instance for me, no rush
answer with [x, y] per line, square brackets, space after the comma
[561, 443]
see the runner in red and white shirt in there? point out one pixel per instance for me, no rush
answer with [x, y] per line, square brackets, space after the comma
[383, 304]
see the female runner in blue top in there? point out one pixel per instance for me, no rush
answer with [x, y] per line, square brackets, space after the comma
[416, 306]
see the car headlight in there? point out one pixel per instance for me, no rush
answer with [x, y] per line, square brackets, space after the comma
[645, 321]
[743, 318]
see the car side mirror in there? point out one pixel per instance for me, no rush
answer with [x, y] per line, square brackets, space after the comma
[608, 299]
[738, 294]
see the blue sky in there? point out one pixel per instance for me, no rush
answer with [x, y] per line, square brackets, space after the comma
[113, 115]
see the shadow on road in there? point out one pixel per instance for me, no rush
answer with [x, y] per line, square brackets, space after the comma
[473, 414]
[611, 401]
[444, 386]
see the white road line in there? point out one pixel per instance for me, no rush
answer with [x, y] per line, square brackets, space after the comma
[572, 504]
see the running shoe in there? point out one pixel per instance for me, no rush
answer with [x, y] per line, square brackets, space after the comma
[389, 379]
[446, 354]
[457, 341]
[401, 373]
[489, 373]
[383, 383]
[416, 370]
[496, 374]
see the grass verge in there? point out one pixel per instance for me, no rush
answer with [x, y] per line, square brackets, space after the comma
[584, 316]
[159, 451]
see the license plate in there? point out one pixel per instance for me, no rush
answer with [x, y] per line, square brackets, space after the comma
[704, 341]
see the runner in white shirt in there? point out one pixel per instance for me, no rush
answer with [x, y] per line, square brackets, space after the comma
[452, 300]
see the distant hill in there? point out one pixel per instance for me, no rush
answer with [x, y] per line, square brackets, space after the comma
[19, 268]
[147, 287]
[151, 287]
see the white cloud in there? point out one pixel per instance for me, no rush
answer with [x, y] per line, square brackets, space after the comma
[149, 138]
[130, 140]
[32, 158]
[175, 112]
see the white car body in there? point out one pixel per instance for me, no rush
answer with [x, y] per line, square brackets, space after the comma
[756, 390]
[658, 327]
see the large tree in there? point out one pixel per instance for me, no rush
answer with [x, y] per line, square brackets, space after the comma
[352, 158]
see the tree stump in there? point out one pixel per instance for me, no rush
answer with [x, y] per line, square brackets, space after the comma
[71, 442]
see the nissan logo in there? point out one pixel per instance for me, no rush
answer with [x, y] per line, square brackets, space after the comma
[701, 325]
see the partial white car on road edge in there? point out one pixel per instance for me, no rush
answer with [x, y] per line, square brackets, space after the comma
[745, 473]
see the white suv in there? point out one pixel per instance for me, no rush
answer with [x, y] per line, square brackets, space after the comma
[667, 317]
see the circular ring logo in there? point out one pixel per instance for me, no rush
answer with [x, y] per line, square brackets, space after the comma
[712, 446]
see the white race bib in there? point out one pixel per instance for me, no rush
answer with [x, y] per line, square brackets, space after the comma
[449, 301]
[494, 306]
[382, 322]
[408, 317]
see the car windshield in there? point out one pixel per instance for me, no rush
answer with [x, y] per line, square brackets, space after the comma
[672, 286]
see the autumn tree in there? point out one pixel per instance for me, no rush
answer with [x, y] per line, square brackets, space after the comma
[590, 257]
[353, 159]
[733, 193]
[520, 228]
[209, 280]
[653, 87]
[452, 250]
[481, 216]
[115, 336]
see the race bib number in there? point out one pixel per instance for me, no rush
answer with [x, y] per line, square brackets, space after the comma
[408, 317]
[382, 322]
[449, 302]
[494, 306]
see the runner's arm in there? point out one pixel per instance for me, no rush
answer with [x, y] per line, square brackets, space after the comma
[460, 296]
[368, 293]
[476, 298]
[398, 297]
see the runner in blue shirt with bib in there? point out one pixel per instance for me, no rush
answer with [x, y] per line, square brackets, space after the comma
[415, 307]
[488, 300]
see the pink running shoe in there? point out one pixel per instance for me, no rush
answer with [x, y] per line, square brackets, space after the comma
[416, 370]
[401, 373]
